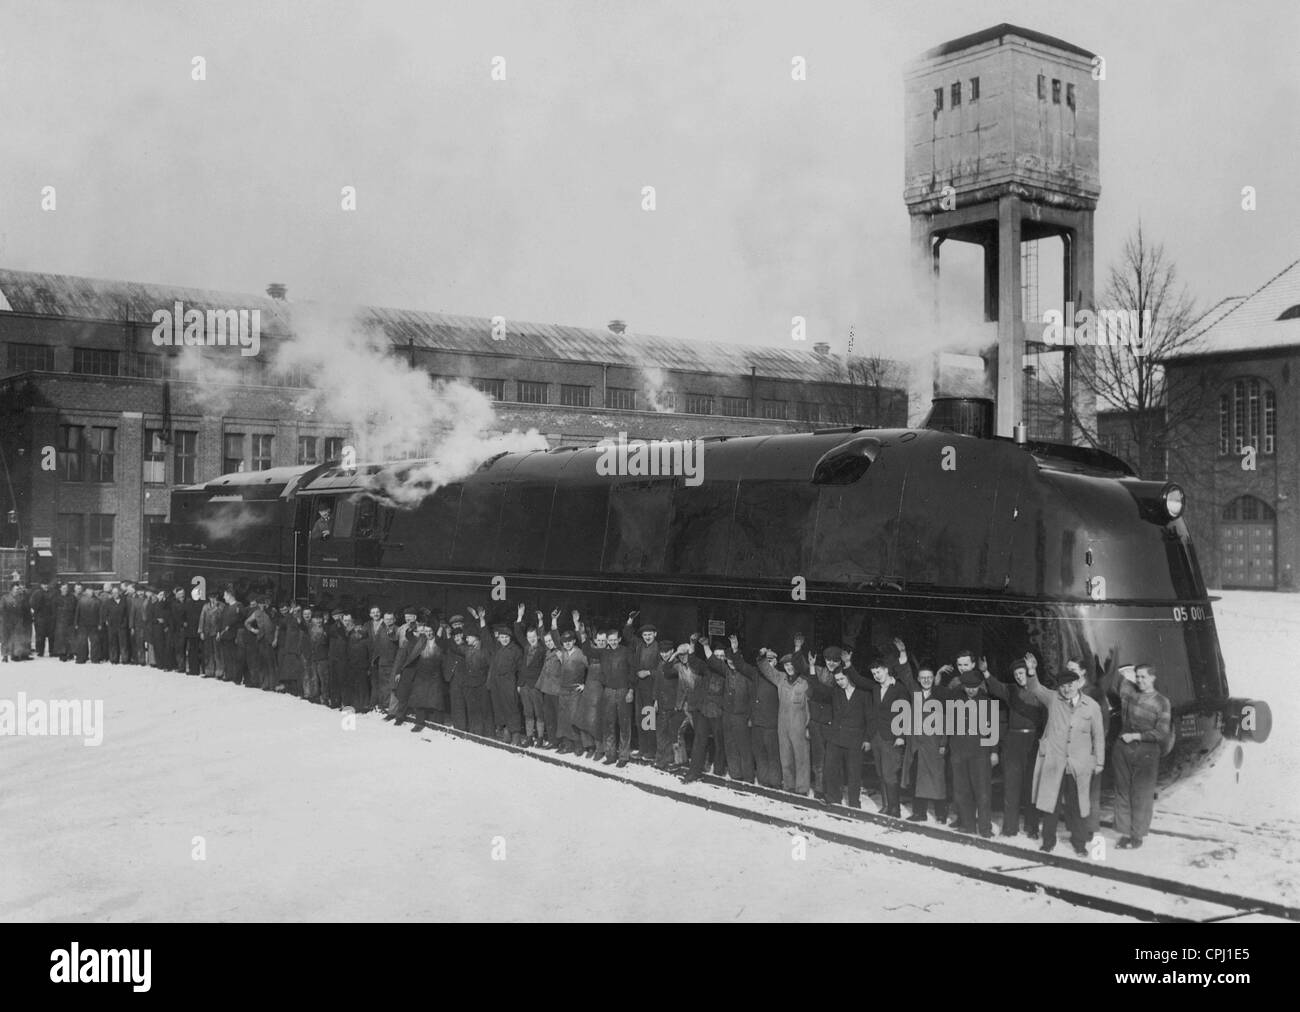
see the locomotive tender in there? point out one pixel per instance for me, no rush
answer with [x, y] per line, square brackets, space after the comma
[947, 539]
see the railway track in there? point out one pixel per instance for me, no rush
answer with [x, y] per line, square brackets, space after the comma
[1076, 881]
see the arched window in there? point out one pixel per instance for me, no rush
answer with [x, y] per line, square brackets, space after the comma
[1248, 417]
[1247, 507]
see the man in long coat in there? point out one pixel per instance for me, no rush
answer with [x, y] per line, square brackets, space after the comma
[1072, 751]
[924, 755]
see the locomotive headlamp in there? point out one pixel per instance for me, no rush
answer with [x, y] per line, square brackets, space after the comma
[1173, 498]
[1159, 502]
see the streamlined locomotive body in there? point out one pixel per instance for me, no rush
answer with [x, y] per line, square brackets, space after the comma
[849, 536]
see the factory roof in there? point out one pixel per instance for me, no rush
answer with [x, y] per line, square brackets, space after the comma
[1267, 318]
[65, 295]
[68, 295]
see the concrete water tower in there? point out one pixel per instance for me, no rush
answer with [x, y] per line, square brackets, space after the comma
[1001, 148]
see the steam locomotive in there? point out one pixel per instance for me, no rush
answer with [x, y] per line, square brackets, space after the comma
[944, 536]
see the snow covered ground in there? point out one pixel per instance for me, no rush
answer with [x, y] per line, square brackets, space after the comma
[300, 818]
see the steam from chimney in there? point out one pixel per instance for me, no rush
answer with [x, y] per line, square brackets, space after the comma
[393, 410]
[654, 382]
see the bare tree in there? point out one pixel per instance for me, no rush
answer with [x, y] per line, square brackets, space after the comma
[1159, 406]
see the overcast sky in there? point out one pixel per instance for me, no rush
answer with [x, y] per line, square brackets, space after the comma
[523, 197]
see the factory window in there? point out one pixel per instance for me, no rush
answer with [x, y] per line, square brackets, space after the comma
[1042, 86]
[774, 409]
[155, 366]
[99, 543]
[155, 457]
[185, 452]
[1056, 91]
[94, 362]
[1225, 424]
[1247, 507]
[68, 452]
[307, 450]
[1270, 421]
[622, 398]
[333, 448]
[67, 547]
[100, 453]
[532, 393]
[838, 414]
[262, 444]
[735, 407]
[292, 376]
[938, 100]
[31, 358]
[574, 396]
[974, 89]
[662, 400]
[1253, 417]
[232, 452]
[699, 404]
[807, 411]
[494, 388]
[1069, 95]
[956, 95]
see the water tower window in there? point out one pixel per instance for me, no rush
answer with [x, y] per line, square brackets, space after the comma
[1069, 95]
[1056, 92]
[938, 100]
[956, 94]
[1042, 86]
[974, 89]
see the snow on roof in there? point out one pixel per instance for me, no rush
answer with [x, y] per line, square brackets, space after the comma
[99, 299]
[1250, 322]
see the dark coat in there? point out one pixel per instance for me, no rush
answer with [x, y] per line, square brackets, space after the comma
[738, 695]
[850, 717]
[667, 693]
[231, 619]
[88, 611]
[65, 610]
[383, 647]
[765, 704]
[710, 688]
[114, 614]
[505, 665]
[430, 689]
[926, 750]
[190, 614]
[42, 605]
[616, 667]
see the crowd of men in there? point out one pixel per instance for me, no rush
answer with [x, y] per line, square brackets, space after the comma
[805, 721]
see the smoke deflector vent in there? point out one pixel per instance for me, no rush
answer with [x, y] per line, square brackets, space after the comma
[847, 462]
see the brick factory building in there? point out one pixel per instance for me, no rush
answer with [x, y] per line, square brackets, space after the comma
[87, 400]
[1245, 509]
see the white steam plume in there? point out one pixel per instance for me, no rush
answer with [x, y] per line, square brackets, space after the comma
[393, 410]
